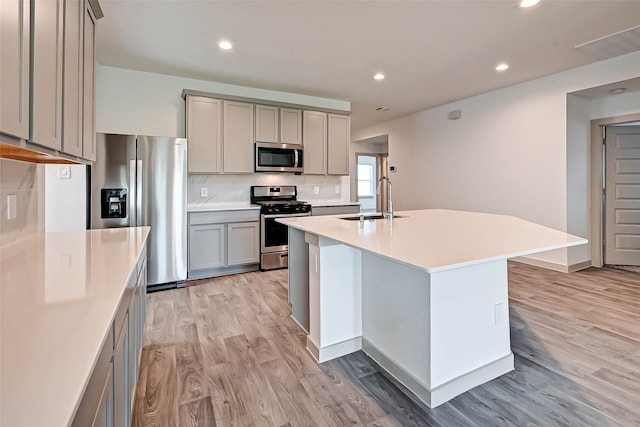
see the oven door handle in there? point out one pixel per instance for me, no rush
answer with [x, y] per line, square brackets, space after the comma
[285, 215]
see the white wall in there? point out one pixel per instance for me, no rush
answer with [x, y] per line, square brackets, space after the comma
[135, 102]
[65, 199]
[509, 153]
[578, 147]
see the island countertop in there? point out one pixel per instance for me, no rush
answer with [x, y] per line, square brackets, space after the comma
[436, 239]
[59, 295]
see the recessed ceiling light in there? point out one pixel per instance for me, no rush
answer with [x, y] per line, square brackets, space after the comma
[528, 3]
[618, 90]
[379, 76]
[225, 44]
[502, 67]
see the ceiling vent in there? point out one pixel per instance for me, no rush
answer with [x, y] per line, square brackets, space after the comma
[616, 44]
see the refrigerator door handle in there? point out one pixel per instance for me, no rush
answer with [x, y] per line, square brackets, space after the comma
[139, 221]
[132, 193]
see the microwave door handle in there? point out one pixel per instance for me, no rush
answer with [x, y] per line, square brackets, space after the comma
[295, 158]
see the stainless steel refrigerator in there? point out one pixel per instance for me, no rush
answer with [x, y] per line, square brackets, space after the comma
[142, 180]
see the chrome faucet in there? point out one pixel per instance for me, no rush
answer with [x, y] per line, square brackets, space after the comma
[389, 213]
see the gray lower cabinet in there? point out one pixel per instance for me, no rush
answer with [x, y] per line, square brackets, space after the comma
[104, 416]
[206, 246]
[243, 245]
[121, 371]
[108, 398]
[223, 242]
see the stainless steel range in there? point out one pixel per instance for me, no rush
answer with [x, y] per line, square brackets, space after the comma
[276, 202]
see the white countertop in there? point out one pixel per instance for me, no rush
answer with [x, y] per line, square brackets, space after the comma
[436, 240]
[59, 295]
[194, 207]
[330, 203]
[221, 207]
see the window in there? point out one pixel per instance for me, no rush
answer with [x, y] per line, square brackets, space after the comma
[365, 181]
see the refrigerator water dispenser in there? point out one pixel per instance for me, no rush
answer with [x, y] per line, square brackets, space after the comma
[113, 203]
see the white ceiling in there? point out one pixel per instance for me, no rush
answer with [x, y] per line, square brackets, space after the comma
[432, 52]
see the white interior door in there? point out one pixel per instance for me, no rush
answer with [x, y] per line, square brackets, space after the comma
[622, 195]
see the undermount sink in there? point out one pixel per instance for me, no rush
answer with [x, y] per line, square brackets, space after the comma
[368, 217]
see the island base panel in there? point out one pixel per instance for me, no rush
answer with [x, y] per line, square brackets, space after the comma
[446, 331]
[335, 350]
[335, 276]
[445, 392]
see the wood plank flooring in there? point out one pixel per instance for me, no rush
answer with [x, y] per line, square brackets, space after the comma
[224, 352]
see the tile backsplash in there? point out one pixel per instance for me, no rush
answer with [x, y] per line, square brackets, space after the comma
[19, 179]
[224, 189]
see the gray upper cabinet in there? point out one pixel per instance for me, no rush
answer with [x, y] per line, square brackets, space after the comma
[326, 143]
[46, 76]
[14, 68]
[204, 134]
[89, 85]
[290, 126]
[47, 60]
[275, 124]
[314, 139]
[73, 82]
[238, 137]
[222, 133]
[339, 134]
[267, 127]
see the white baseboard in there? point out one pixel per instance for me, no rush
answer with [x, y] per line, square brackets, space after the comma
[562, 268]
[444, 392]
[335, 350]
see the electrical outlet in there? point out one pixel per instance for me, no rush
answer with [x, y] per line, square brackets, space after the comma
[12, 206]
[204, 191]
[316, 189]
[337, 189]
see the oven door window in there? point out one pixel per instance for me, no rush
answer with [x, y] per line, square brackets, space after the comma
[275, 234]
[276, 157]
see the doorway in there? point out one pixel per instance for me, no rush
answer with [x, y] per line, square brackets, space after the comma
[367, 182]
[615, 191]
[370, 168]
[622, 195]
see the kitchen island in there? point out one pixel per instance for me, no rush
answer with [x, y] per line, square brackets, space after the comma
[424, 295]
[72, 307]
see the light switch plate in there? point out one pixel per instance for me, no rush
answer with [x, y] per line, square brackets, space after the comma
[12, 206]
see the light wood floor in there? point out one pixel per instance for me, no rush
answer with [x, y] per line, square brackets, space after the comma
[224, 352]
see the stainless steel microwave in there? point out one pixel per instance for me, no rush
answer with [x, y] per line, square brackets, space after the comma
[272, 157]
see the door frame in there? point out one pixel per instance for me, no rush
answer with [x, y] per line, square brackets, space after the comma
[377, 156]
[596, 195]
